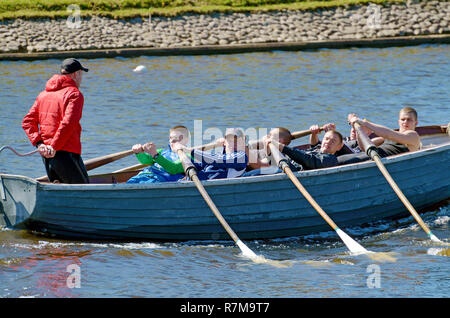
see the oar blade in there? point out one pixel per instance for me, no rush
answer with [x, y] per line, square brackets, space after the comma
[352, 245]
[245, 250]
[434, 238]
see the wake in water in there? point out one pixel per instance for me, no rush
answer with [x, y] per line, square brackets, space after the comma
[378, 236]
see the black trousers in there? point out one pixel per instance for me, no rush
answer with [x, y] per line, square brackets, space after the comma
[66, 167]
[384, 152]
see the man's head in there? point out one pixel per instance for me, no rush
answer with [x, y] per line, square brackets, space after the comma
[407, 119]
[73, 68]
[282, 135]
[332, 142]
[178, 134]
[234, 140]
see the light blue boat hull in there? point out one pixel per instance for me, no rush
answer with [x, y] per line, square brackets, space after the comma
[260, 207]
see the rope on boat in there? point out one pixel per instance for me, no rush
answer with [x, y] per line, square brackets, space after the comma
[18, 153]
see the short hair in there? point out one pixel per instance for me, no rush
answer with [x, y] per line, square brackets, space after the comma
[338, 134]
[284, 133]
[180, 127]
[409, 110]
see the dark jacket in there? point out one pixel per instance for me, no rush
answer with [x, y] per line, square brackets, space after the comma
[311, 158]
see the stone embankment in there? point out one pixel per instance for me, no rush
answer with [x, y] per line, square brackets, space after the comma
[190, 30]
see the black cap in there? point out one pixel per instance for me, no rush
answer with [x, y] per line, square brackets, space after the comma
[71, 65]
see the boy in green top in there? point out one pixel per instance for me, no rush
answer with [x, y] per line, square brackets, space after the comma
[165, 166]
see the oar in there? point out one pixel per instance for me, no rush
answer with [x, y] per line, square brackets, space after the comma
[371, 151]
[192, 173]
[132, 168]
[103, 160]
[98, 162]
[352, 245]
[302, 133]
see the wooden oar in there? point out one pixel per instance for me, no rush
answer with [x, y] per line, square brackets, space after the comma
[132, 168]
[302, 133]
[352, 245]
[98, 162]
[371, 151]
[192, 173]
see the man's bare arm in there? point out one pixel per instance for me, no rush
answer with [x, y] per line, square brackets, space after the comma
[410, 138]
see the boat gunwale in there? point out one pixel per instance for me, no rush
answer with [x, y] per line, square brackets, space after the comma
[234, 181]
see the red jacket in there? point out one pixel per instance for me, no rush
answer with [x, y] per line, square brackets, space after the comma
[55, 116]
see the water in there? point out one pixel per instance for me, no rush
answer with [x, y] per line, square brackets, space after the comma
[259, 90]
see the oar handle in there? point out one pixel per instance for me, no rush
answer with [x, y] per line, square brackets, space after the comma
[277, 155]
[209, 146]
[188, 166]
[368, 145]
[302, 133]
[103, 160]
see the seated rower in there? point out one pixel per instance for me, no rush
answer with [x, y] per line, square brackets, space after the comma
[351, 145]
[230, 164]
[322, 155]
[261, 163]
[404, 140]
[164, 164]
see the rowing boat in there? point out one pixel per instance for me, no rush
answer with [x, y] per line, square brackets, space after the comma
[260, 207]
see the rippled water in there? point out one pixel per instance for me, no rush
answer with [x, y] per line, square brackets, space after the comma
[260, 90]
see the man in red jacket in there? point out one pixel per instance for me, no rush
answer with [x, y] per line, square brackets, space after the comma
[53, 124]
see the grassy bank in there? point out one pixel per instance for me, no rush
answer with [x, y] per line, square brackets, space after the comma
[11, 9]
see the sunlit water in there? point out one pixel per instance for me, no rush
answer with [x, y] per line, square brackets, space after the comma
[259, 90]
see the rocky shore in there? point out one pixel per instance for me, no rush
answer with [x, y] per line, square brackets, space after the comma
[190, 30]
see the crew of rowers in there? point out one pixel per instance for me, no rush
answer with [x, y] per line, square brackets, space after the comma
[241, 160]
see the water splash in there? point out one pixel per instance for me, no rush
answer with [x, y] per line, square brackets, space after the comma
[439, 251]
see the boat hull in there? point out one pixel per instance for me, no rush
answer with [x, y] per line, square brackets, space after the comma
[261, 207]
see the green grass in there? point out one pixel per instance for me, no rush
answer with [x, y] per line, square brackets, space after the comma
[10, 9]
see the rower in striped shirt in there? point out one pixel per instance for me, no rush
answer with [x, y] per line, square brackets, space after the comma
[230, 164]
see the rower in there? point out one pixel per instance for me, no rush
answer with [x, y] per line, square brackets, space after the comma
[404, 140]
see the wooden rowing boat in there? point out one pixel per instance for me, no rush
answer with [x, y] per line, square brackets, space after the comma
[260, 207]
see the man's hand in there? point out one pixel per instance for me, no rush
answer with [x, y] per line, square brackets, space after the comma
[349, 116]
[220, 142]
[137, 148]
[272, 141]
[329, 126]
[46, 151]
[177, 146]
[314, 129]
[150, 148]
[352, 119]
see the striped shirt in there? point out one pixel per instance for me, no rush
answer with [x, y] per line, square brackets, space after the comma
[219, 166]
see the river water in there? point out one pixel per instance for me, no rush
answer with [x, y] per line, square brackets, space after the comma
[254, 90]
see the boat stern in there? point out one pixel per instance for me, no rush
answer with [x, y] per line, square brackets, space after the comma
[17, 200]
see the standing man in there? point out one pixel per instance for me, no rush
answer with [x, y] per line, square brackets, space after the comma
[53, 124]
